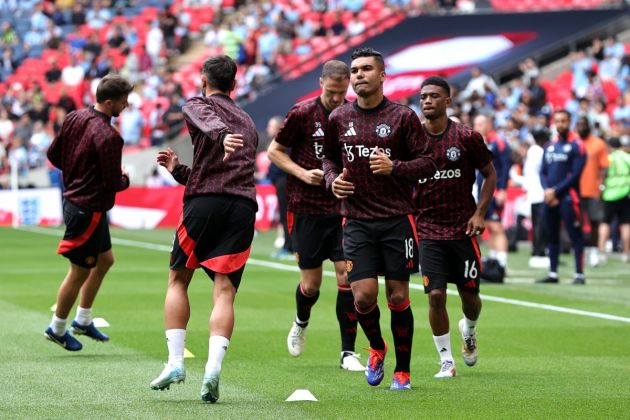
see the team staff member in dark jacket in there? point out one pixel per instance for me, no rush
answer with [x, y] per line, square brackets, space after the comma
[88, 150]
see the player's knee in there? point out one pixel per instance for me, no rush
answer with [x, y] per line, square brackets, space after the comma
[437, 298]
[310, 289]
[105, 260]
[364, 300]
[397, 298]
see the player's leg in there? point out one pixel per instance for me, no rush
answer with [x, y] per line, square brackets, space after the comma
[570, 212]
[307, 238]
[466, 267]
[176, 316]
[551, 219]
[435, 271]
[347, 318]
[624, 221]
[82, 323]
[80, 244]
[66, 296]
[399, 253]
[306, 295]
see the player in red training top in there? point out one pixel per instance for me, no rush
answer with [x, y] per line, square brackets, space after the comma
[314, 219]
[373, 157]
[217, 225]
[448, 220]
[88, 150]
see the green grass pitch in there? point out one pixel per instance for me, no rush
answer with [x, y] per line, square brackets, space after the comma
[535, 362]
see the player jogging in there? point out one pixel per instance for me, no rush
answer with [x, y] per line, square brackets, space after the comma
[372, 159]
[449, 221]
[88, 150]
[314, 219]
[217, 225]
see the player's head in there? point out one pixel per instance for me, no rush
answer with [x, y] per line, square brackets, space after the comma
[367, 72]
[541, 135]
[614, 143]
[482, 124]
[274, 125]
[334, 82]
[218, 73]
[111, 94]
[435, 97]
[583, 127]
[562, 122]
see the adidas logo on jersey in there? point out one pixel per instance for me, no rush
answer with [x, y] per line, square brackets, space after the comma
[350, 131]
[318, 133]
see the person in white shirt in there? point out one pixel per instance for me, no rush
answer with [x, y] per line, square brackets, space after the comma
[530, 182]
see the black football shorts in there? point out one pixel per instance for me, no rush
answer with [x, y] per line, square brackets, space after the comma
[315, 238]
[86, 236]
[450, 261]
[215, 233]
[384, 246]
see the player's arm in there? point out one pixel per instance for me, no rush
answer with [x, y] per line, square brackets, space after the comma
[110, 156]
[421, 164]
[577, 165]
[334, 173]
[278, 154]
[170, 161]
[54, 150]
[476, 223]
[200, 114]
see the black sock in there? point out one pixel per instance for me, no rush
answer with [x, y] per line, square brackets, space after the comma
[304, 304]
[402, 330]
[370, 323]
[347, 318]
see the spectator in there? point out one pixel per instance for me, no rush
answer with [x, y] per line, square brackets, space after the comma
[131, 125]
[355, 25]
[73, 74]
[6, 126]
[53, 74]
[154, 41]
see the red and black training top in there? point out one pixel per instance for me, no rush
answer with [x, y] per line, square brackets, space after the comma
[209, 119]
[88, 150]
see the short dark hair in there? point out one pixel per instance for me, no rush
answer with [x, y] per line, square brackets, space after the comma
[368, 52]
[563, 111]
[335, 69]
[112, 86]
[437, 81]
[220, 72]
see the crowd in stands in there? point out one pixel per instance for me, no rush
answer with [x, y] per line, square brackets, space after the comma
[54, 52]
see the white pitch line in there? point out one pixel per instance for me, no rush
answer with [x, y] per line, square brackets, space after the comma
[279, 266]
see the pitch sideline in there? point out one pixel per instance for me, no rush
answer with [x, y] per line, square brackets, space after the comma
[279, 266]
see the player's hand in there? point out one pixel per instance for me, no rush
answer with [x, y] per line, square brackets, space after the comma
[553, 203]
[168, 159]
[500, 197]
[231, 142]
[342, 188]
[380, 163]
[313, 177]
[475, 225]
[550, 195]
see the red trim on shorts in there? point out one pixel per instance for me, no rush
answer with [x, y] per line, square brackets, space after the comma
[399, 308]
[477, 251]
[187, 244]
[226, 264]
[413, 227]
[290, 221]
[69, 244]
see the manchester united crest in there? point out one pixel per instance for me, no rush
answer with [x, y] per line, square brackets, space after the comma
[383, 130]
[349, 266]
[425, 281]
[453, 154]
